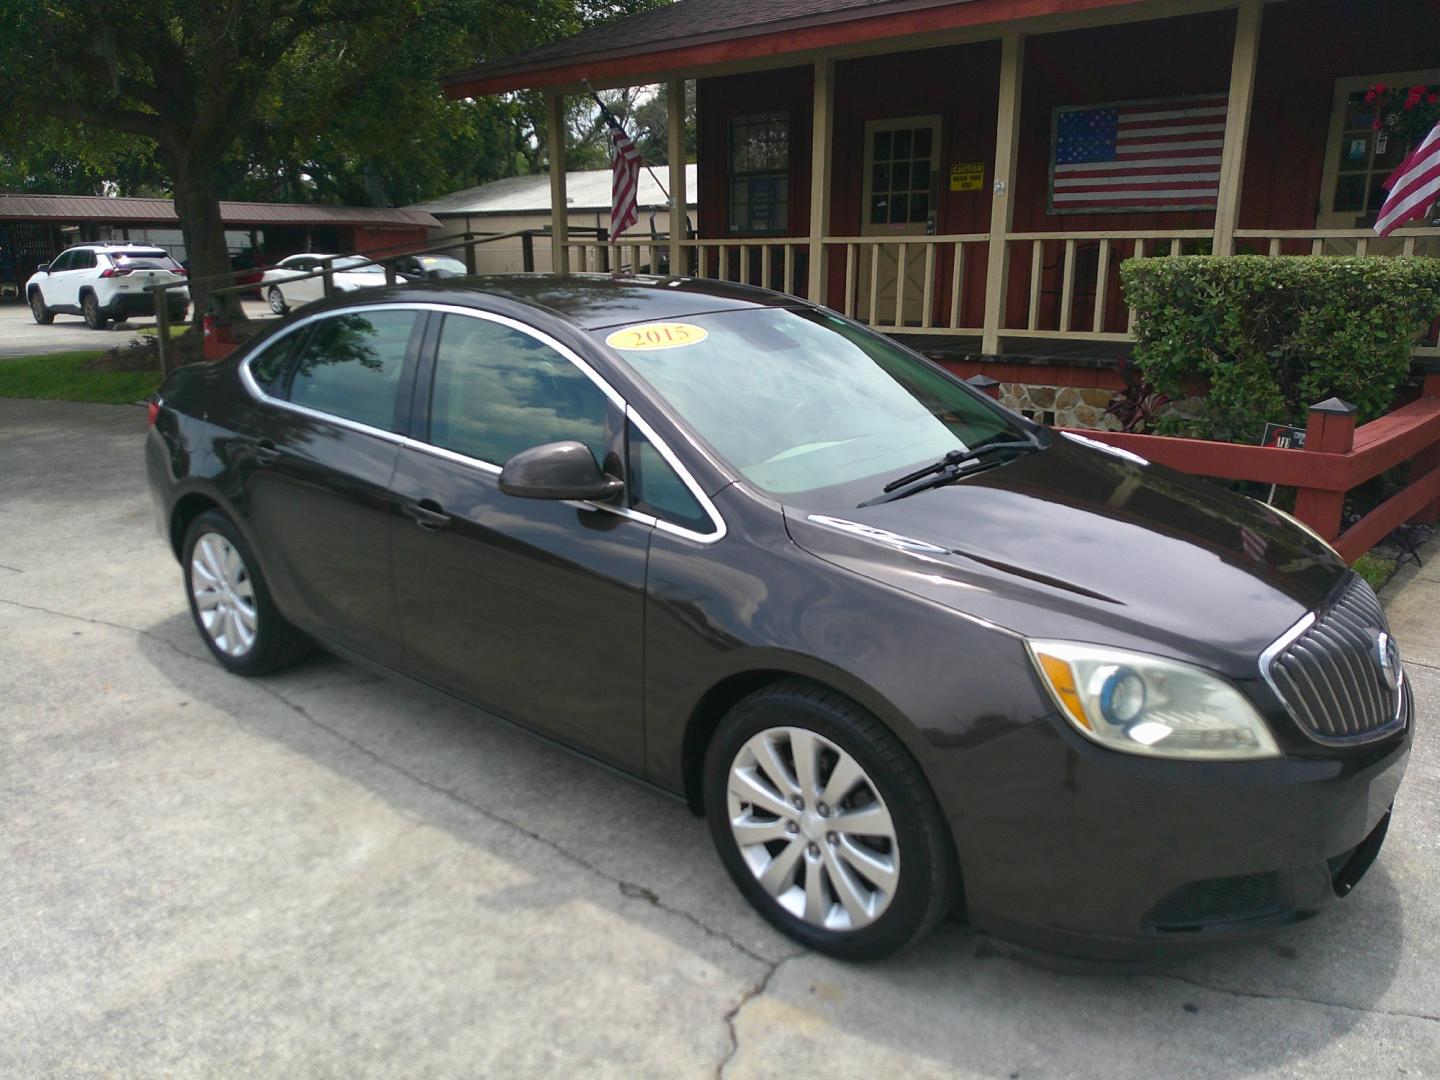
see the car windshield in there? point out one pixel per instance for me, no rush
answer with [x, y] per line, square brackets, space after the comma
[800, 401]
[358, 264]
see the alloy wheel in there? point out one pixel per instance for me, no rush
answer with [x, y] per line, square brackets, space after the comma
[813, 828]
[224, 594]
[277, 301]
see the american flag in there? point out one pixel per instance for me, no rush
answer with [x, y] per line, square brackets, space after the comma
[624, 180]
[1153, 155]
[1413, 186]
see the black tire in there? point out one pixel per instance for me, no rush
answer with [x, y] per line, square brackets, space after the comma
[276, 643]
[42, 314]
[94, 317]
[180, 315]
[276, 299]
[928, 883]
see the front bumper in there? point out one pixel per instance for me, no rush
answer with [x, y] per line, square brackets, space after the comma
[1098, 855]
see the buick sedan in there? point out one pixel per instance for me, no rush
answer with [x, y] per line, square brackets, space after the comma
[910, 654]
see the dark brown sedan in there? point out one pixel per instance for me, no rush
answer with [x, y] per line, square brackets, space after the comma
[910, 653]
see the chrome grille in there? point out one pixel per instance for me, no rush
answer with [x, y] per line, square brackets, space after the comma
[1339, 674]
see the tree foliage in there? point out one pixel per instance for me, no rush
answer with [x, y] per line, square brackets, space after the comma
[301, 100]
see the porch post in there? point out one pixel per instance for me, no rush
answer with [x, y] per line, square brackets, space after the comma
[1237, 122]
[559, 207]
[675, 99]
[1002, 199]
[821, 139]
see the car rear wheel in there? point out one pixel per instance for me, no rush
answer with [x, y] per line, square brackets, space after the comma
[94, 317]
[231, 606]
[277, 301]
[826, 823]
[43, 315]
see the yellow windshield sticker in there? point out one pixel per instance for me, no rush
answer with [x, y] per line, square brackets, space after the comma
[657, 335]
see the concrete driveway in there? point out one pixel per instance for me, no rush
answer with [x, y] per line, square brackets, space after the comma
[20, 335]
[325, 874]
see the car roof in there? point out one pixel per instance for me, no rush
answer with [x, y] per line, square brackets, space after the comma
[596, 301]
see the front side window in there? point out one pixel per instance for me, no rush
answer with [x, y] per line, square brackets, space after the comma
[656, 488]
[63, 261]
[799, 401]
[350, 366]
[498, 391]
[759, 166]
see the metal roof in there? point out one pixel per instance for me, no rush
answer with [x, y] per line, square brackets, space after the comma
[584, 191]
[77, 208]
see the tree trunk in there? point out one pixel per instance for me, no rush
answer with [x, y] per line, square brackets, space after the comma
[198, 205]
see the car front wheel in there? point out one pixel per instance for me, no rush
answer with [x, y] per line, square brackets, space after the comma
[826, 823]
[42, 314]
[231, 606]
[277, 301]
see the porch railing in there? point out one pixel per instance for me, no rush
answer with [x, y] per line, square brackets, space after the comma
[910, 284]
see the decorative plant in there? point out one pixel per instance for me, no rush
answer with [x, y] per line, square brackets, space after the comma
[1138, 406]
[1270, 336]
[1405, 113]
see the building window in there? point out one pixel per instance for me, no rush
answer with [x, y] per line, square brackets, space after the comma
[760, 173]
[1359, 159]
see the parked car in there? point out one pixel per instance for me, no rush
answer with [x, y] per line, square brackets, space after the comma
[283, 291]
[105, 282]
[246, 269]
[429, 267]
[908, 652]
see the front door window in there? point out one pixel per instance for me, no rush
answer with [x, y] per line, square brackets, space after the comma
[1360, 158]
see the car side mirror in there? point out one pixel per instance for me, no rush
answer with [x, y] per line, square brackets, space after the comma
[558, 470]
[43, 268]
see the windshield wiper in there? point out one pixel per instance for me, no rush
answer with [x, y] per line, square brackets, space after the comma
[948, 469]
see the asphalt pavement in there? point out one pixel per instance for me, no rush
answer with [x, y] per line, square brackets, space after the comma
[322, 873]
[21, 335]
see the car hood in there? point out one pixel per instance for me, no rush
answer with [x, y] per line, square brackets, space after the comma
[1077, 543]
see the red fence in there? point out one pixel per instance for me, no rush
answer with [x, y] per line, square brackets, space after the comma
[1337, 456]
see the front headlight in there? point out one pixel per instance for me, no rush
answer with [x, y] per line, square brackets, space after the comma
[1143, 704]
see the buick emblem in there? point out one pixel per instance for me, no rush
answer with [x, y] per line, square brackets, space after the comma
[1387, 655]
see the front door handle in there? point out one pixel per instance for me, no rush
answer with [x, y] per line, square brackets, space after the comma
[264, 452]
[427, 514]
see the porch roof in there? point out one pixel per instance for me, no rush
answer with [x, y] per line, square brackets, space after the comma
[693, 34]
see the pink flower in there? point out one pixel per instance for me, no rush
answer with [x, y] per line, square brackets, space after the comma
[1413, 98]
[1432, 99]
[1378, 124]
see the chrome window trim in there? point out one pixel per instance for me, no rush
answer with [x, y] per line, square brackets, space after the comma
[1283, 642]
[403, 441]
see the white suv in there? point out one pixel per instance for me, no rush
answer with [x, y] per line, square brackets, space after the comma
[104, 282]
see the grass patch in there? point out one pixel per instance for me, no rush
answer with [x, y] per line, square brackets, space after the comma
[1375, 570]
[176, 329]
[67, 377]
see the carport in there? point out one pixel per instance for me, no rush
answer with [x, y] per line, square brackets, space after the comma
[34, 227]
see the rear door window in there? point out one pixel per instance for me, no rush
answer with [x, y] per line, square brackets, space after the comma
[351, 365]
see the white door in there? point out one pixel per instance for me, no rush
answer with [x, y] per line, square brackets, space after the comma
[901, 188]
[61, 287]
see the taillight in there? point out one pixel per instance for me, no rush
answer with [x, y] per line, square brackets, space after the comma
[152, 412]
[181, 271]
[115, 271]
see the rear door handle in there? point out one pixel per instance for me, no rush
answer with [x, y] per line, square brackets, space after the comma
[427, 514]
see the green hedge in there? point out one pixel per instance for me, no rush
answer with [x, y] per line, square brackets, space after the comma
[1271, 335]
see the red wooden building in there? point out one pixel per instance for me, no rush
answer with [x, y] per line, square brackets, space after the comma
[969, 175]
